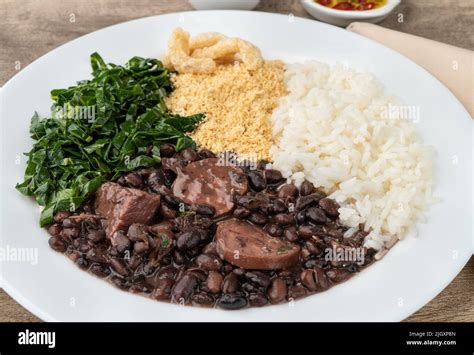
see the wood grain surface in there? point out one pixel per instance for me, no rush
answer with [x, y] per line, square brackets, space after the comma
[31, 28]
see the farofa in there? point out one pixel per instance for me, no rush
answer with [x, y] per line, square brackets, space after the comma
[238, 103]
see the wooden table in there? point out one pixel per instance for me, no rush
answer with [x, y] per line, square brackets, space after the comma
[29, 29]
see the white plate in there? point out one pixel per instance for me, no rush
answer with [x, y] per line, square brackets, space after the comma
[412, 274]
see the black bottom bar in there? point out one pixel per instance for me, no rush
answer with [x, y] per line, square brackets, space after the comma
[238, 337]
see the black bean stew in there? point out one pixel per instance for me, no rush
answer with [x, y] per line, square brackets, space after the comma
[199, 230]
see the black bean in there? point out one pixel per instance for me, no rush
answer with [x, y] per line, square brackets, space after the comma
[305, 254]
[100, 270]
[274, 230]
[82, 263]
[70, 233]
[92, 223]
[120, 282]
[119, 266]
[257, 180]
[96, 256]
[316, 215]
[188, 154]
[141, 247]
[306, 188]
[214, 282]
[96, 236]
[202, 299]
[55, 230]
[167, 150]
[203, 234]
[138, 232]
[258, 278]
[134, 262]
[167, 272]
[307, 231]
[306, 201]
[272, 176]
[122, 243]
[69, 223]
[203, 209]
[338, 275]
[81, 245]
[72, 254]
[291, 234]
[178, 257]
[277, 291]
[188, 240]
[228, 301]
[167, 212]
[206, 153]
[141, 287]
[313, 247]
[133, 180]
[239, 272]
[249, 202]
[61, 216]
[249, 287]
[258, 218]
[257, 299]
[315, 279]
[276, 206]
[231, 283]
[184, 287]
[300, 217]
[287, 190]
[163, 289]
[241, 213]
[57, 244]
[284, 219]
[296, 292]
[201, 275]
[227, 268]
[210, 248]
[330, 206]
[333, 232]
[208, 262]
[204, 222]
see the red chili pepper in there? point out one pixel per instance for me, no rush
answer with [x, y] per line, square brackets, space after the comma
[344, 6]
[325, 2]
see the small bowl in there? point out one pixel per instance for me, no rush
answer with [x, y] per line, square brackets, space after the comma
[344, 17]
[224, 4]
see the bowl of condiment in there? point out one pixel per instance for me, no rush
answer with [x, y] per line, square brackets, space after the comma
[224, 4]
[343, 12]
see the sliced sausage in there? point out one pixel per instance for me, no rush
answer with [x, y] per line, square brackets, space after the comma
[247, 246]
[206, 182]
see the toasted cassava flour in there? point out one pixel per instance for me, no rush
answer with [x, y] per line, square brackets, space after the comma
[237, 102]
[332, 129]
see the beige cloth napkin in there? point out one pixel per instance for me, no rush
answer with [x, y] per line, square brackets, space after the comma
[453, 66]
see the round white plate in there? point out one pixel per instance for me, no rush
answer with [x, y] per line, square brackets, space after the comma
[412, 273]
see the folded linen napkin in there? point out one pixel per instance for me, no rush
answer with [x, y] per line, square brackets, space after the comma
[453, 66]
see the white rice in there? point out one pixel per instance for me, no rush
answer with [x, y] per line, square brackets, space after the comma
[333, 129]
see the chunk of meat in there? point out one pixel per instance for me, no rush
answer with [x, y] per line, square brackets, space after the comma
[208, 182]
[249, 247]
[123, 206]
